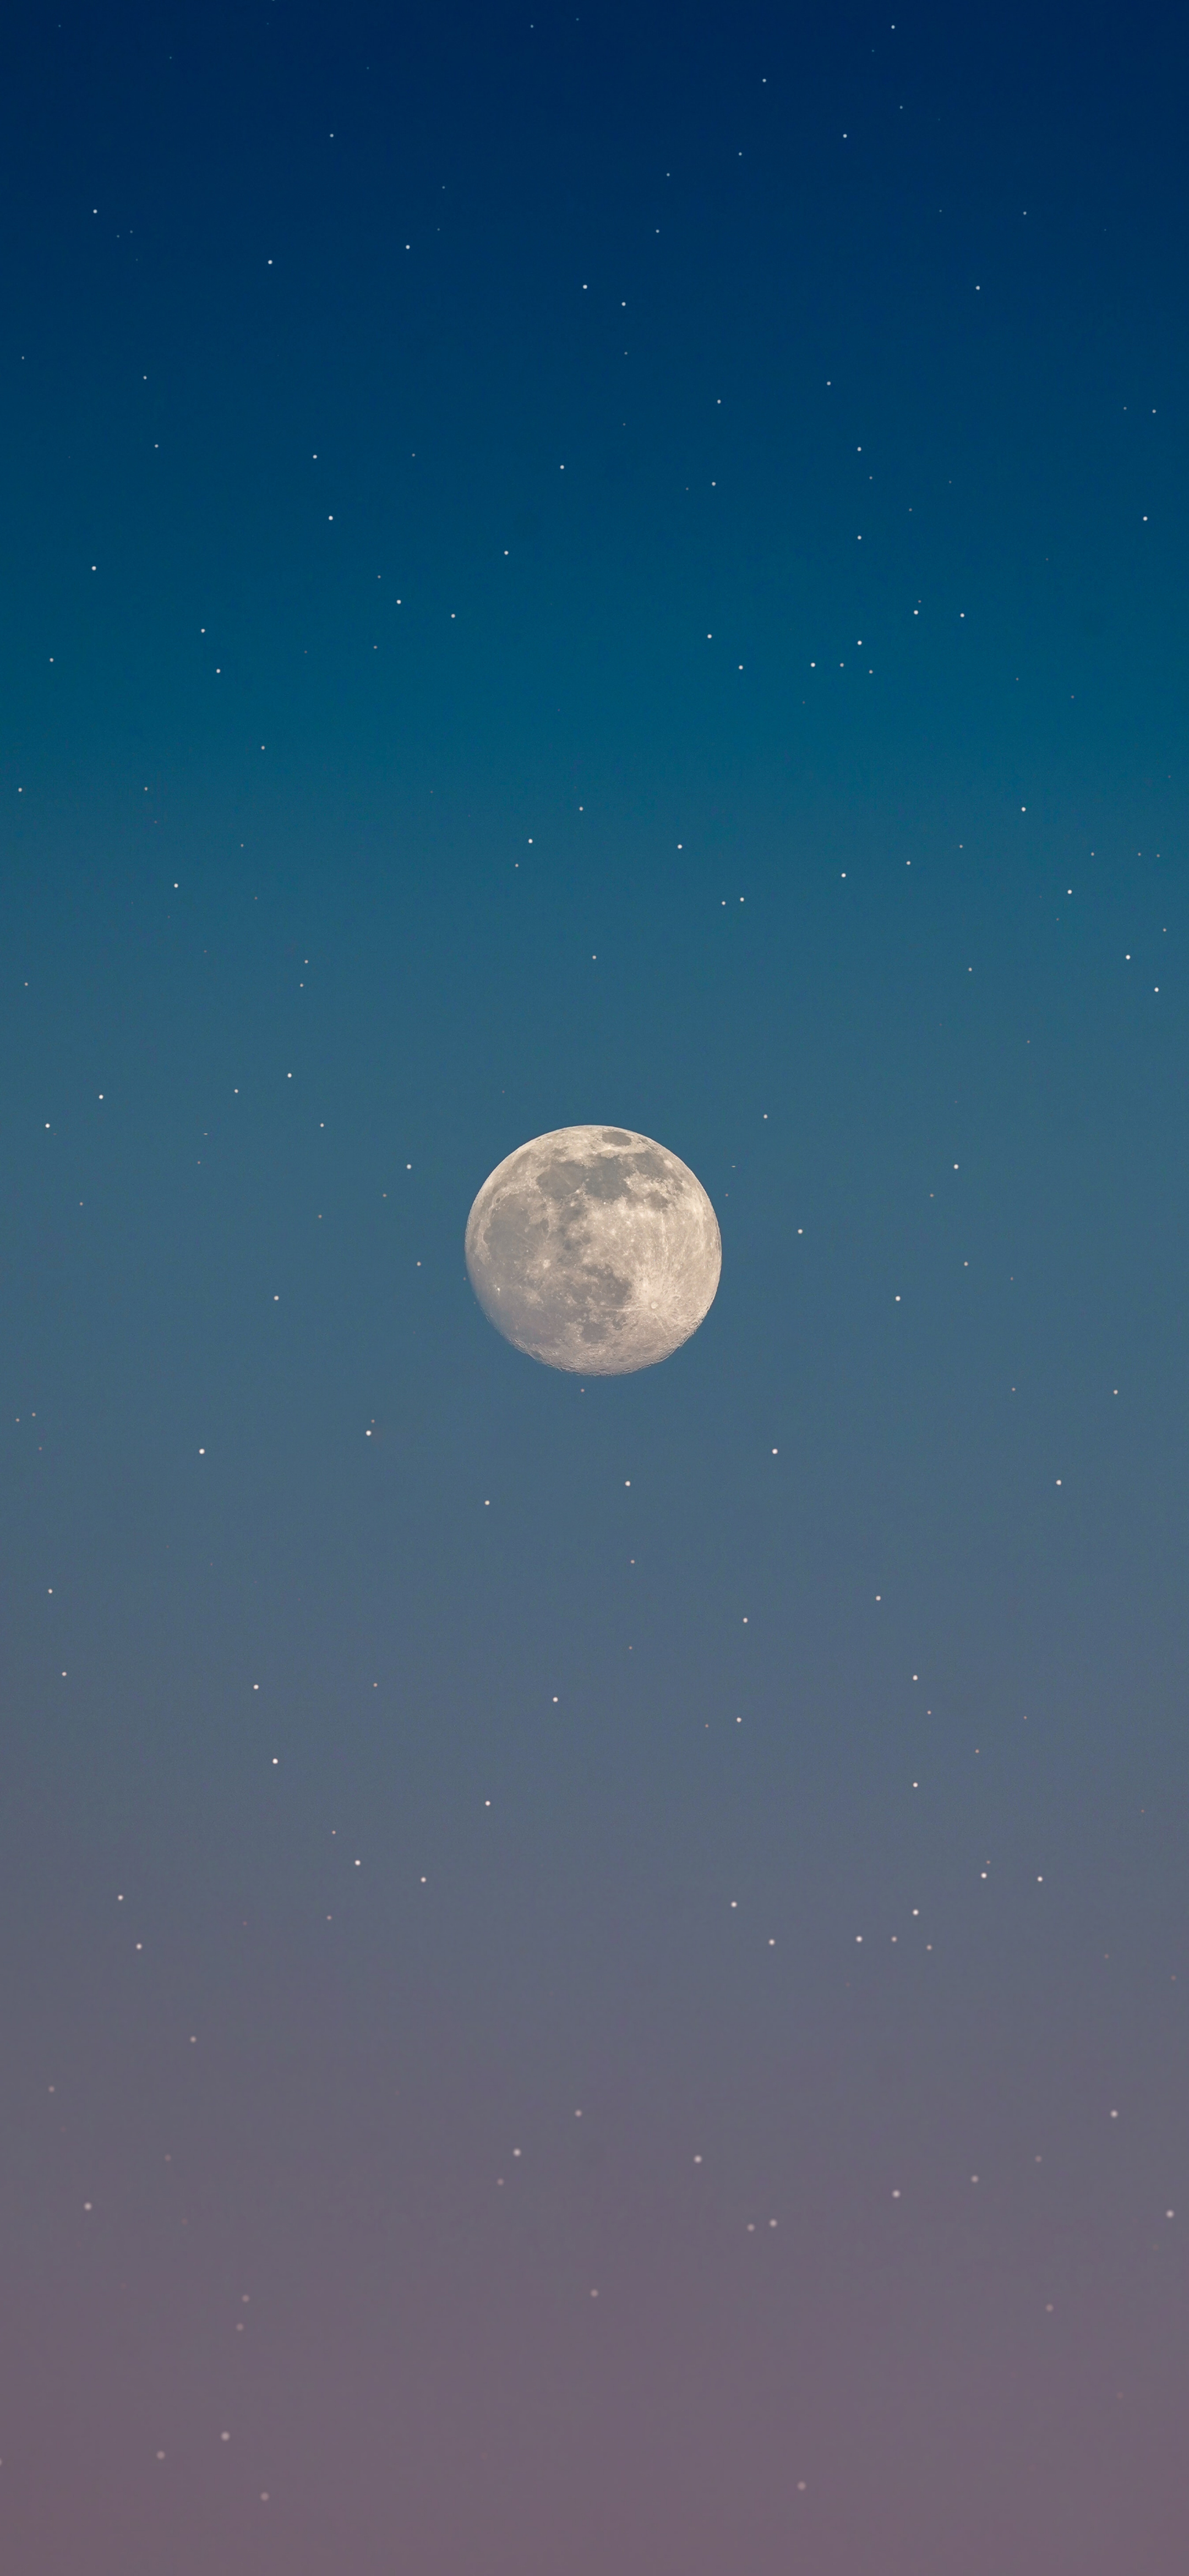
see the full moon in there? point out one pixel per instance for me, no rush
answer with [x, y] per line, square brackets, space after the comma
[594, 1250]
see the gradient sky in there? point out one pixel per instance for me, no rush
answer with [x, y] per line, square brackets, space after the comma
[593, 565]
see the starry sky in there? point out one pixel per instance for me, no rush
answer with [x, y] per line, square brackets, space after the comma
[595, 1975]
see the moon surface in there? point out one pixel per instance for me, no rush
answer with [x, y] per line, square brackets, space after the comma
[594, 1250]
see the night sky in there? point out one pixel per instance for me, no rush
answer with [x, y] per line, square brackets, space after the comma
[594, 1974]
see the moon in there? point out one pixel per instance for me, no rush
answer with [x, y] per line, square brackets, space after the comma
[594, 1250]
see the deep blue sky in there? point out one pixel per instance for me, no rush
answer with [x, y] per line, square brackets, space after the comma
[557, 566]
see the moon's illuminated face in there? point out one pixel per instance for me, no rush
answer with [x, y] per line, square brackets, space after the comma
[594, 1250]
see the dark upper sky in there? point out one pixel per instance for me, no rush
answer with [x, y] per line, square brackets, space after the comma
[557, 566]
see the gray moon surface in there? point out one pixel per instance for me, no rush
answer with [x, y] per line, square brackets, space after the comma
[594, 1250]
